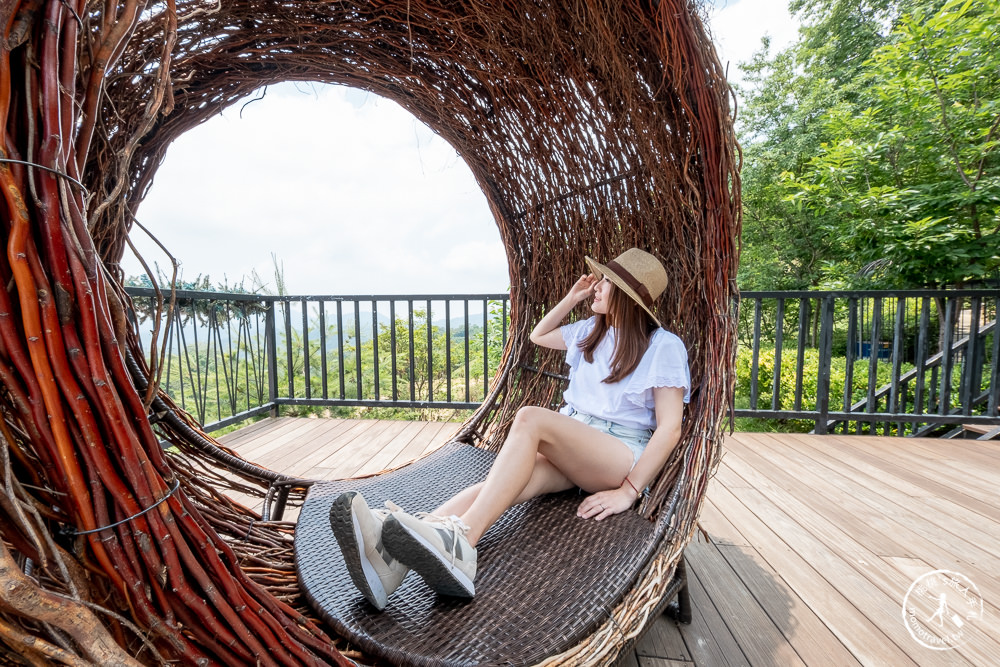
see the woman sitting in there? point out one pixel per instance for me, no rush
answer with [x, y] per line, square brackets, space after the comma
[628, 382]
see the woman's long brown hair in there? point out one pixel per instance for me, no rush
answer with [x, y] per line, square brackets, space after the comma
[633, 327]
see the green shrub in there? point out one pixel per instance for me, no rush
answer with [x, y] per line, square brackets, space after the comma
[786, 385]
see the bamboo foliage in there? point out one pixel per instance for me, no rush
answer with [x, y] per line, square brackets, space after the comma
[590, 126]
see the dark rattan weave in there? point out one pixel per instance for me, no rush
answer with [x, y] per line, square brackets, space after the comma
[546, 578]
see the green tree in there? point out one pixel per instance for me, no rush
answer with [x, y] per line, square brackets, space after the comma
[785, 95]
[427, 373]
[909, 180]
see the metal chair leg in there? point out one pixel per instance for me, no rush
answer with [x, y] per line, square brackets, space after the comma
[279, 503]
[680, 609]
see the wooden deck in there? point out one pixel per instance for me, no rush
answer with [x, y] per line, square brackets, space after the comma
[808, 549]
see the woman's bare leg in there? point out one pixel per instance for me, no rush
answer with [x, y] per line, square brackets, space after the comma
[545, 478]
[573, 454]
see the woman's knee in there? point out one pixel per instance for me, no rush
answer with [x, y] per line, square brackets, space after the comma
[529, 419]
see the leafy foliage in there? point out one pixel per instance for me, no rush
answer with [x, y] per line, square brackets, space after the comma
[785, 96]
[910, 184]
[870, 149]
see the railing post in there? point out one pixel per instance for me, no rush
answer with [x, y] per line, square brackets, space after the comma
[801, 355]
[322, 350]
[948, 359]
[921, 357]
[875, 345]
[755, 360]
[271, 356]
[994, 404]
[897, 361]
[970, 378]
[289, 359]
[447, 347]
[486, 356]
[849, 357]
[305, 347]
[358, 383]
[376, 390]
[430, 353]
[779, 333]
[825, 360]
[392, 349]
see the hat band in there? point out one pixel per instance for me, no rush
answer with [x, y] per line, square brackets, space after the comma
[631, 281]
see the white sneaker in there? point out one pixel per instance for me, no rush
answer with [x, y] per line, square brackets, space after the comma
[358, 530]
[436, 547]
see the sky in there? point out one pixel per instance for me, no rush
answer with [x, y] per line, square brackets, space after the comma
[348, 192]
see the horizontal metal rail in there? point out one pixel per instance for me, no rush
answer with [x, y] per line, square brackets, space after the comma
[903, 362]
[272, 298]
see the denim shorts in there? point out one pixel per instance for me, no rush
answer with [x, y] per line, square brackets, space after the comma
[634, 438]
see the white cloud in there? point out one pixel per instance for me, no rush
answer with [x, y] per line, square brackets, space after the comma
[475, 256]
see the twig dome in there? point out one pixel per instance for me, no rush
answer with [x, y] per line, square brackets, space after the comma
[591, 127]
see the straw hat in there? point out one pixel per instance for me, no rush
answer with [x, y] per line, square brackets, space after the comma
[638, 274]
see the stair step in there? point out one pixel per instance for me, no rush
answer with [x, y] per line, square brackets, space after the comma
[991, 434]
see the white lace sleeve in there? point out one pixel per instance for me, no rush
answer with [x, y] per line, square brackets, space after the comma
[664, 364]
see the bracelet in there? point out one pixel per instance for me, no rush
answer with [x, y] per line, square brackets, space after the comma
[637, 494]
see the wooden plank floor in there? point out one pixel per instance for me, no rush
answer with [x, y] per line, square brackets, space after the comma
[808, 544]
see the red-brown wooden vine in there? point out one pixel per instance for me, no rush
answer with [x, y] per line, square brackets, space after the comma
[75, 425]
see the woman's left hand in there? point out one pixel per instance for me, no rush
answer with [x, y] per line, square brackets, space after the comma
[606, 503]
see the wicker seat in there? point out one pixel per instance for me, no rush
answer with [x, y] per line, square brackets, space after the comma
[546, 578]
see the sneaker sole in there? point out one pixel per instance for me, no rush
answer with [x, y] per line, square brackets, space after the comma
[347, 531]
[412, 550]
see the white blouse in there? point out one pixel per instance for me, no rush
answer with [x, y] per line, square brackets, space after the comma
[629, 401]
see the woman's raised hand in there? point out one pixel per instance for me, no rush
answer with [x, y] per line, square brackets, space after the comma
[582, 288]
[547, 332]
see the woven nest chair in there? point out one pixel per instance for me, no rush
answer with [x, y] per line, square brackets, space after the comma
[591, 127]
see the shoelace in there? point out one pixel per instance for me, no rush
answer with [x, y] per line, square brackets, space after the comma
[452, 523]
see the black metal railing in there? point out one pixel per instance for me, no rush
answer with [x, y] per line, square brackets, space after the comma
[903, 363]
[226, 357]
[882, 362]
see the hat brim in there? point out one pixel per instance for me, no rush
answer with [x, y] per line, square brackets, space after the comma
[601, 271]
